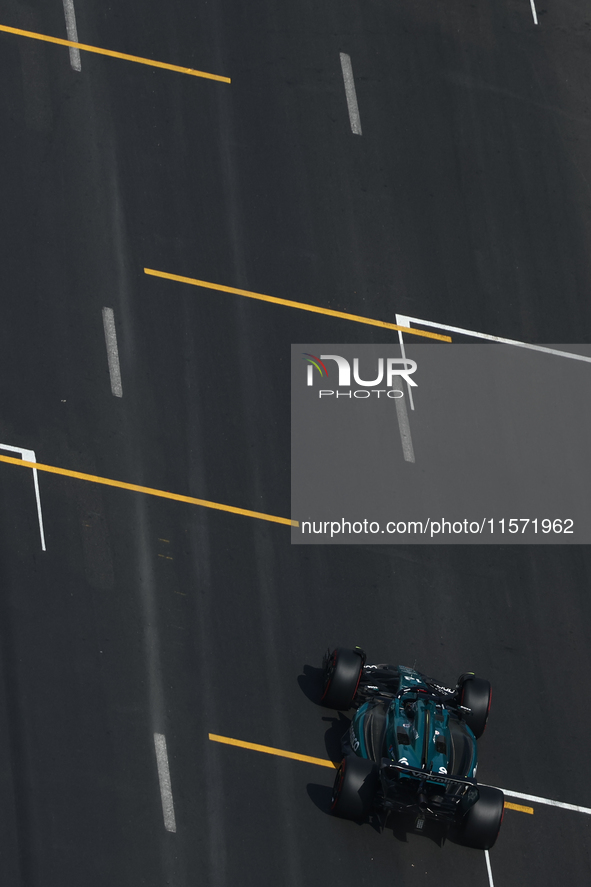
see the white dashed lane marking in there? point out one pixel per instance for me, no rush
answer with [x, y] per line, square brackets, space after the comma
[533, 11]
[404, 427]
[112, 352]
[164, 780]
[354, 118]
[72, 33]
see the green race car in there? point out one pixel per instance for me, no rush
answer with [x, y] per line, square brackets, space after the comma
[411, 747]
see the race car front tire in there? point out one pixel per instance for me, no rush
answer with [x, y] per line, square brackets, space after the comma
[354, 788]
[341, 678]
[481, 824]
[476, 694]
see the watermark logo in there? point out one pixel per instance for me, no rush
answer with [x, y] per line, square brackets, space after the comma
[390, 370]
[314, 361]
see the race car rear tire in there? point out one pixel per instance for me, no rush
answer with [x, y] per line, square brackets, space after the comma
[354, 788]
[481, 824]
[475, 693]
[341, 678]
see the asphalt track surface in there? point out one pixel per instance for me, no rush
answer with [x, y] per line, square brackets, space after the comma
[465, 200]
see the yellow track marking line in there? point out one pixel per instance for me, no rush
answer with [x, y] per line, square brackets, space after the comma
[519, 808]
[163, 494]
[279, 752]
[302, 305]
[321, 762]
[116, 55]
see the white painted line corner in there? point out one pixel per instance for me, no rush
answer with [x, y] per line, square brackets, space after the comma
[112, 352]
[404, 320]
[72, 33]
[29, 456]
[403, 355]
[164, 780]
[350, 93]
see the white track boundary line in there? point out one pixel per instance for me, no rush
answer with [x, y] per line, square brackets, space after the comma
[29, 456]
[574, 807]
[403, 320]
[489, 869]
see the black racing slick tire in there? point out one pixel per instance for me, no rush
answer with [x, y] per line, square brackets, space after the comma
[476, 694]
[354, 788]
[341, 678]
[481, 824]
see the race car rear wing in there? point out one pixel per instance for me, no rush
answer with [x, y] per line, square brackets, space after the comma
[415, 773]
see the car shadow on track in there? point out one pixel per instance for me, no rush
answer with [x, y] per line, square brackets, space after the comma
[311, 683]
[402, 826]
[339, 725]
[399, 826]
[320, 795]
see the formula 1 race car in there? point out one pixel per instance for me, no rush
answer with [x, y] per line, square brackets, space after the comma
[411, 747]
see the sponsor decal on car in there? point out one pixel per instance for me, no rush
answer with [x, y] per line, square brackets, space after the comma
[353, 739]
